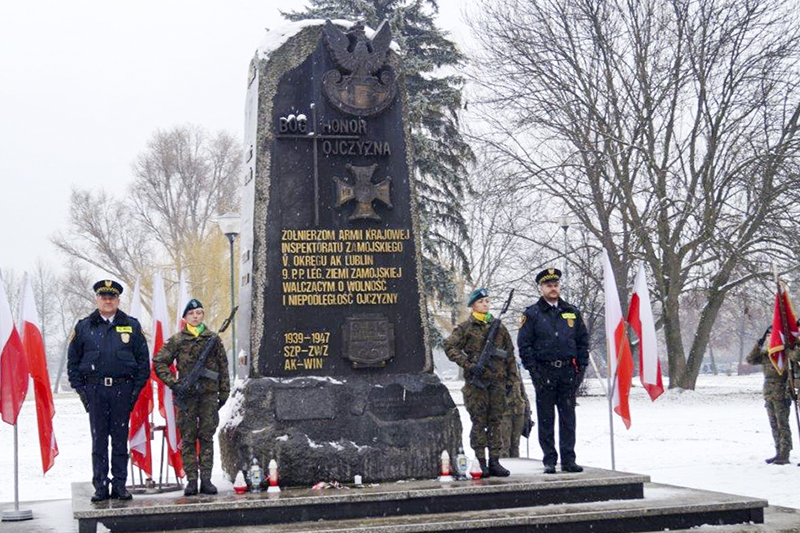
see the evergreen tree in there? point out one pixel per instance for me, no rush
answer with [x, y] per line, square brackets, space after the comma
[440, 153]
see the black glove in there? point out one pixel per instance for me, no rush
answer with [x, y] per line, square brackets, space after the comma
[476, 370]
[134, 397]
[580, 376]
[84, 399]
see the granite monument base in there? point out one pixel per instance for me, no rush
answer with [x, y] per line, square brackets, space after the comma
[380, 426]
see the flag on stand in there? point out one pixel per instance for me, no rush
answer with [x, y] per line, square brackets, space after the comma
[640, 317]
[33, 345]
[140, 430]
[620, 362]
[13, 366]
[777, 342]
[166, 405]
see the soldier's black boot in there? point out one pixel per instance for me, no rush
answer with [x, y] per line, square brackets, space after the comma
[120, 493]
[771, 459]
[100, 494]
[549, 469]
[206, 487]
[496, 469]
[485, 472]
[191, 488]
[571, 467]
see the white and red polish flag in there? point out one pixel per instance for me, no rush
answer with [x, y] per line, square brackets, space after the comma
[13, 366]
[140, 429]
[640, 317]
[166, 404]
[33, 345]
[620, 362]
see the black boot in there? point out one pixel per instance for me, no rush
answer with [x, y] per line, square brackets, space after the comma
[100, 494]
[485, 472]
[191, 487]
[496, 469]
[549, 469]
[571, 467]
[121, 493]
[206, 487]
[771, 459]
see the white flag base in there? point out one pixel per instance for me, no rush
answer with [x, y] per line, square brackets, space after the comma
[17, 515]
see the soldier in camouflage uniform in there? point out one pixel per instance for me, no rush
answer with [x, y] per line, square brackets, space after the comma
[198, 419]
[485, 406]
[514, 419]
[777, 399]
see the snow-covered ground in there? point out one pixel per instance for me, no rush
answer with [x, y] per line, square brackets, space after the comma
[715, 438]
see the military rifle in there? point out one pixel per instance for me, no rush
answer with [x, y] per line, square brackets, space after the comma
[191, 383]
[489, 349]
[788, 344]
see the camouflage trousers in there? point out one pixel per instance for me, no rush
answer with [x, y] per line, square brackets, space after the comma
[778, 413]
[486, 408]
[511, 429]
[197, 424]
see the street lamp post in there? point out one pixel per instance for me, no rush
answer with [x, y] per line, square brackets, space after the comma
[229, 224]
[564, 221]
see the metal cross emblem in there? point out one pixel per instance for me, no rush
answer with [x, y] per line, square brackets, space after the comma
[364, 192]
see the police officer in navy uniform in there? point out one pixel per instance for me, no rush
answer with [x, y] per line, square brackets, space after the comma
[108, 365]
[554, 347]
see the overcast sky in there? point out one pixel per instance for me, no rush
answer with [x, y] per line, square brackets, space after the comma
[84, 84]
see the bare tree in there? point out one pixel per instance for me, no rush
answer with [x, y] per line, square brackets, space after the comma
[668, 128]
[165, 223]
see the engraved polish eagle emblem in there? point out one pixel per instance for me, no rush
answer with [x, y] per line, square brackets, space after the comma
[362, 84]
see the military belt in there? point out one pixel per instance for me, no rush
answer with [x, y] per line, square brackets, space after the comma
[107, 381]
[558, 363]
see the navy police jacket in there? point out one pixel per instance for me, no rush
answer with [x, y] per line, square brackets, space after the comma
[100, 350]
[550, 333]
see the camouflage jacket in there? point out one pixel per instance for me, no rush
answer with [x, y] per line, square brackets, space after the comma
[465, 344]
[186, 348]
[776, 386]
[517, 400]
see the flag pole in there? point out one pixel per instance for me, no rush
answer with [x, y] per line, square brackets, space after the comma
[16, 515]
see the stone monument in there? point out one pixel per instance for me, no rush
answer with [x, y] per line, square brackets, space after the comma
[332, 316]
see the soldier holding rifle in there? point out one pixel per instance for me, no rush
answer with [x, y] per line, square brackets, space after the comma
[202, 387]
[482, 346]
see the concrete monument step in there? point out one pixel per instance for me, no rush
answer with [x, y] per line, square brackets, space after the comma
[596, 500]
[664, 507]
[526, 487]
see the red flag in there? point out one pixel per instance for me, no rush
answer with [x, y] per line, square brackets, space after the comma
[776, 339]
[13, 366]
[166, 405]
[140, 431]
[640, 317]
[620, 361]
[33, 345]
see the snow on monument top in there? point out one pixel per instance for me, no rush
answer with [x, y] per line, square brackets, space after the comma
[277, 37]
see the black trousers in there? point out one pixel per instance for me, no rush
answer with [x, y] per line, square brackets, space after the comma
[555, 390]
[109, 416]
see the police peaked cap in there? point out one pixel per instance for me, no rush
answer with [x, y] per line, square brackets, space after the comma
[193, 304]
[548, 274]
[476, 295]
[106, 287]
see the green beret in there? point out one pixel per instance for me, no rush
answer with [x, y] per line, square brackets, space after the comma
[476, 295]
[193, 304]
